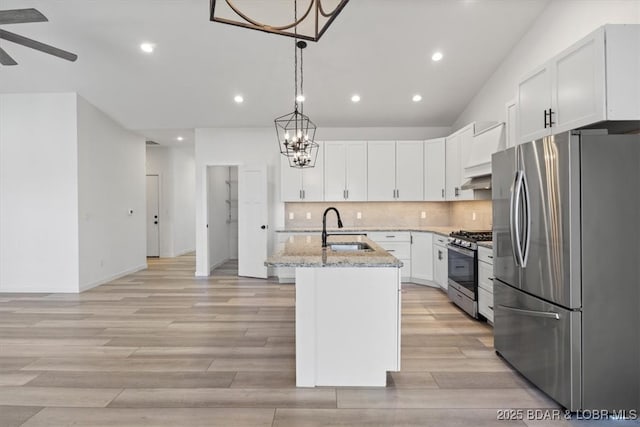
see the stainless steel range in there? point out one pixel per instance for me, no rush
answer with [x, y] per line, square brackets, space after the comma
[463, 268]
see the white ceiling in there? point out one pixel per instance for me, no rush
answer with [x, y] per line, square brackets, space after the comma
[380, 49]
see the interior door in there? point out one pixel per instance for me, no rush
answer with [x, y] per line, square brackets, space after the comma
[153, 207]
[252, 220]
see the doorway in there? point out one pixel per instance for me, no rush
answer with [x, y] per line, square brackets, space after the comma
[153, 209]
[222, 212]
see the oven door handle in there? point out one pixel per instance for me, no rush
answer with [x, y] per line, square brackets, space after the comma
[462, 251]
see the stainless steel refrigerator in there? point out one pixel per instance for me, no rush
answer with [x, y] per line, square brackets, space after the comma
[566, 218]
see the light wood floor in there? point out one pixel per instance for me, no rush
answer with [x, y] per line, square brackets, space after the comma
[161, 347]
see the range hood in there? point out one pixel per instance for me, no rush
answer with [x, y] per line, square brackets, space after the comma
[478, 167]
[478, 183]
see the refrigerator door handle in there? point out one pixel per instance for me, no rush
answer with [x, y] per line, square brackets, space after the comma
[527, 228]
[533, 313]
[515, 219]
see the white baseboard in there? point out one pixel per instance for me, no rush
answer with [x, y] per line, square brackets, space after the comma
[183, 252]
[424, 282]
[216, 265]
[85, 287]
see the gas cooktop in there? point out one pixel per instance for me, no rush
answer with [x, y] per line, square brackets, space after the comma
[473, 235]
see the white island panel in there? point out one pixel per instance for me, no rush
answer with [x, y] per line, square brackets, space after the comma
[347, 325]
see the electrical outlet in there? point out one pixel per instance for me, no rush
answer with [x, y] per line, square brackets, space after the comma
[308, 215]
[359, 215]
[423, 214]
[291, 215]
[473, 216]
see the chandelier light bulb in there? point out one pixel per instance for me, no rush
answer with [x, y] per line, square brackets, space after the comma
[417, 98]
[300, 98]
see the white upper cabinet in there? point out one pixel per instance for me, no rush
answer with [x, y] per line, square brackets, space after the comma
[395, 170]
[381, 171]
[307, 184]
[409, 170]
[594, 80]
[345, 171]
[434, 170]
[534, 101]
[458, 148]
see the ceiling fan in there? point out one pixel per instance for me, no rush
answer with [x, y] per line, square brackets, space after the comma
[23, 16]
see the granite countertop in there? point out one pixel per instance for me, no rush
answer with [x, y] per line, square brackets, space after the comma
[307, 251]
[443, 230]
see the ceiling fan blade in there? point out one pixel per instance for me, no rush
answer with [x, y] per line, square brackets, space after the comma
[25, 41]
[5, 59]
[21, 16]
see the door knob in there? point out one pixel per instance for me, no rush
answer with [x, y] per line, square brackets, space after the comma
[155, 222]
[263, 227]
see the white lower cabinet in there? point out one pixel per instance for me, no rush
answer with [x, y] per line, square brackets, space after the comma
[485, 282]
[440, 261]
[422, 258]
[398, 244]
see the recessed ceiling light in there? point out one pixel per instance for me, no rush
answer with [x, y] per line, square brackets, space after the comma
[355, 98]
[147, 47]
[300, 98]
[239, 99]
[417, 98]
[436, 56]
[180, 138]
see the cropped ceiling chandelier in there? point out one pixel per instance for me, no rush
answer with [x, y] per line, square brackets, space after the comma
[274, 16]
[295, 131]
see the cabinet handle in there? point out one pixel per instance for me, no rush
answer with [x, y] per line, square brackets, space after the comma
[545, 119]
[491, 278]
[443, 193]
[304, 194]
[411, 239]
[344, 194]
[300, 194]
[390, 237]
[347, 194]
[490, 307]
[398, 193]
[551, 113]
[457, 192]
[490, 256]
[439, 255]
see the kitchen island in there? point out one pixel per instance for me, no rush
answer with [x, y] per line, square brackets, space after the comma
[347, 310]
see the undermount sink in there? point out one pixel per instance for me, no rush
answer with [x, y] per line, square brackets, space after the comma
[350, 247]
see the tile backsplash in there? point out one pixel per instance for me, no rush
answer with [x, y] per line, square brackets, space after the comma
[474, 215]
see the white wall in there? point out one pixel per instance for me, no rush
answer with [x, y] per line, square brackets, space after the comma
[175, 167]
[562, 23]
[38, 193]
[183, 168]
[111, 181]
[238, 146]
[219, 229]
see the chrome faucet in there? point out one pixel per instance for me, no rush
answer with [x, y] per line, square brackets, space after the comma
[324, 224]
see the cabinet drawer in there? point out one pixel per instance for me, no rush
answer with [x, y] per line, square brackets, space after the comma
[485, 276]
[389, 236]
[485, 304]
[440, 240]
[485, 254]
[399, 250]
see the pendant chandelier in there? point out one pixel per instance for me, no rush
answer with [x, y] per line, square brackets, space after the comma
[315, 19]
[295, 131]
